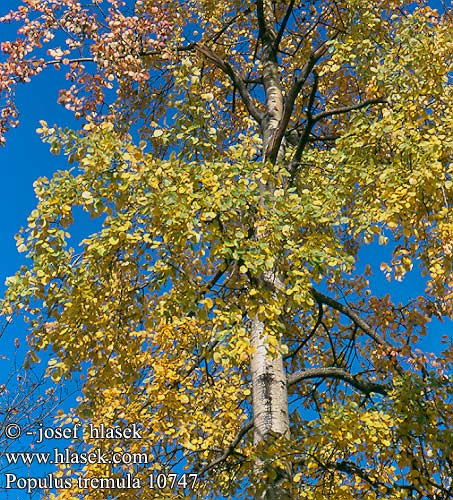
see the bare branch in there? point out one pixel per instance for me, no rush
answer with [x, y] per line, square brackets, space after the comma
[333, 372]
[357, 320]
[350, 313]
[310, 335]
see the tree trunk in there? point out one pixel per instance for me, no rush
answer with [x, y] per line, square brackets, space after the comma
[270, 405]
[270, 397]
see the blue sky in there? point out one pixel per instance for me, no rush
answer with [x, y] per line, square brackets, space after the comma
[23, 160]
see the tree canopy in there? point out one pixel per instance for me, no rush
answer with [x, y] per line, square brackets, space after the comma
[237, 158]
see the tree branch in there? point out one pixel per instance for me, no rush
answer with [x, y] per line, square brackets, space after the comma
[266, 31]
[349, 467]
[292, 137]
[238, 82]
[350, 313]
[333, 372]
[222, 30]
[310, 335]
[291, 99]
[312, 120]
[281, 31]
[347, 109]
[54, 62]
[303, 140]
[357, 320]
[228, 450]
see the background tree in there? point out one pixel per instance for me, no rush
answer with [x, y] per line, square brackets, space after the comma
[248, 154]
[26, 402]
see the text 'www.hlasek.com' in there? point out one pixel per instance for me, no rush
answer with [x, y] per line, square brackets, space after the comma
[117, 468]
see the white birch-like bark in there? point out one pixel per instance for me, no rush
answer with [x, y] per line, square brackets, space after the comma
[269, 389]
